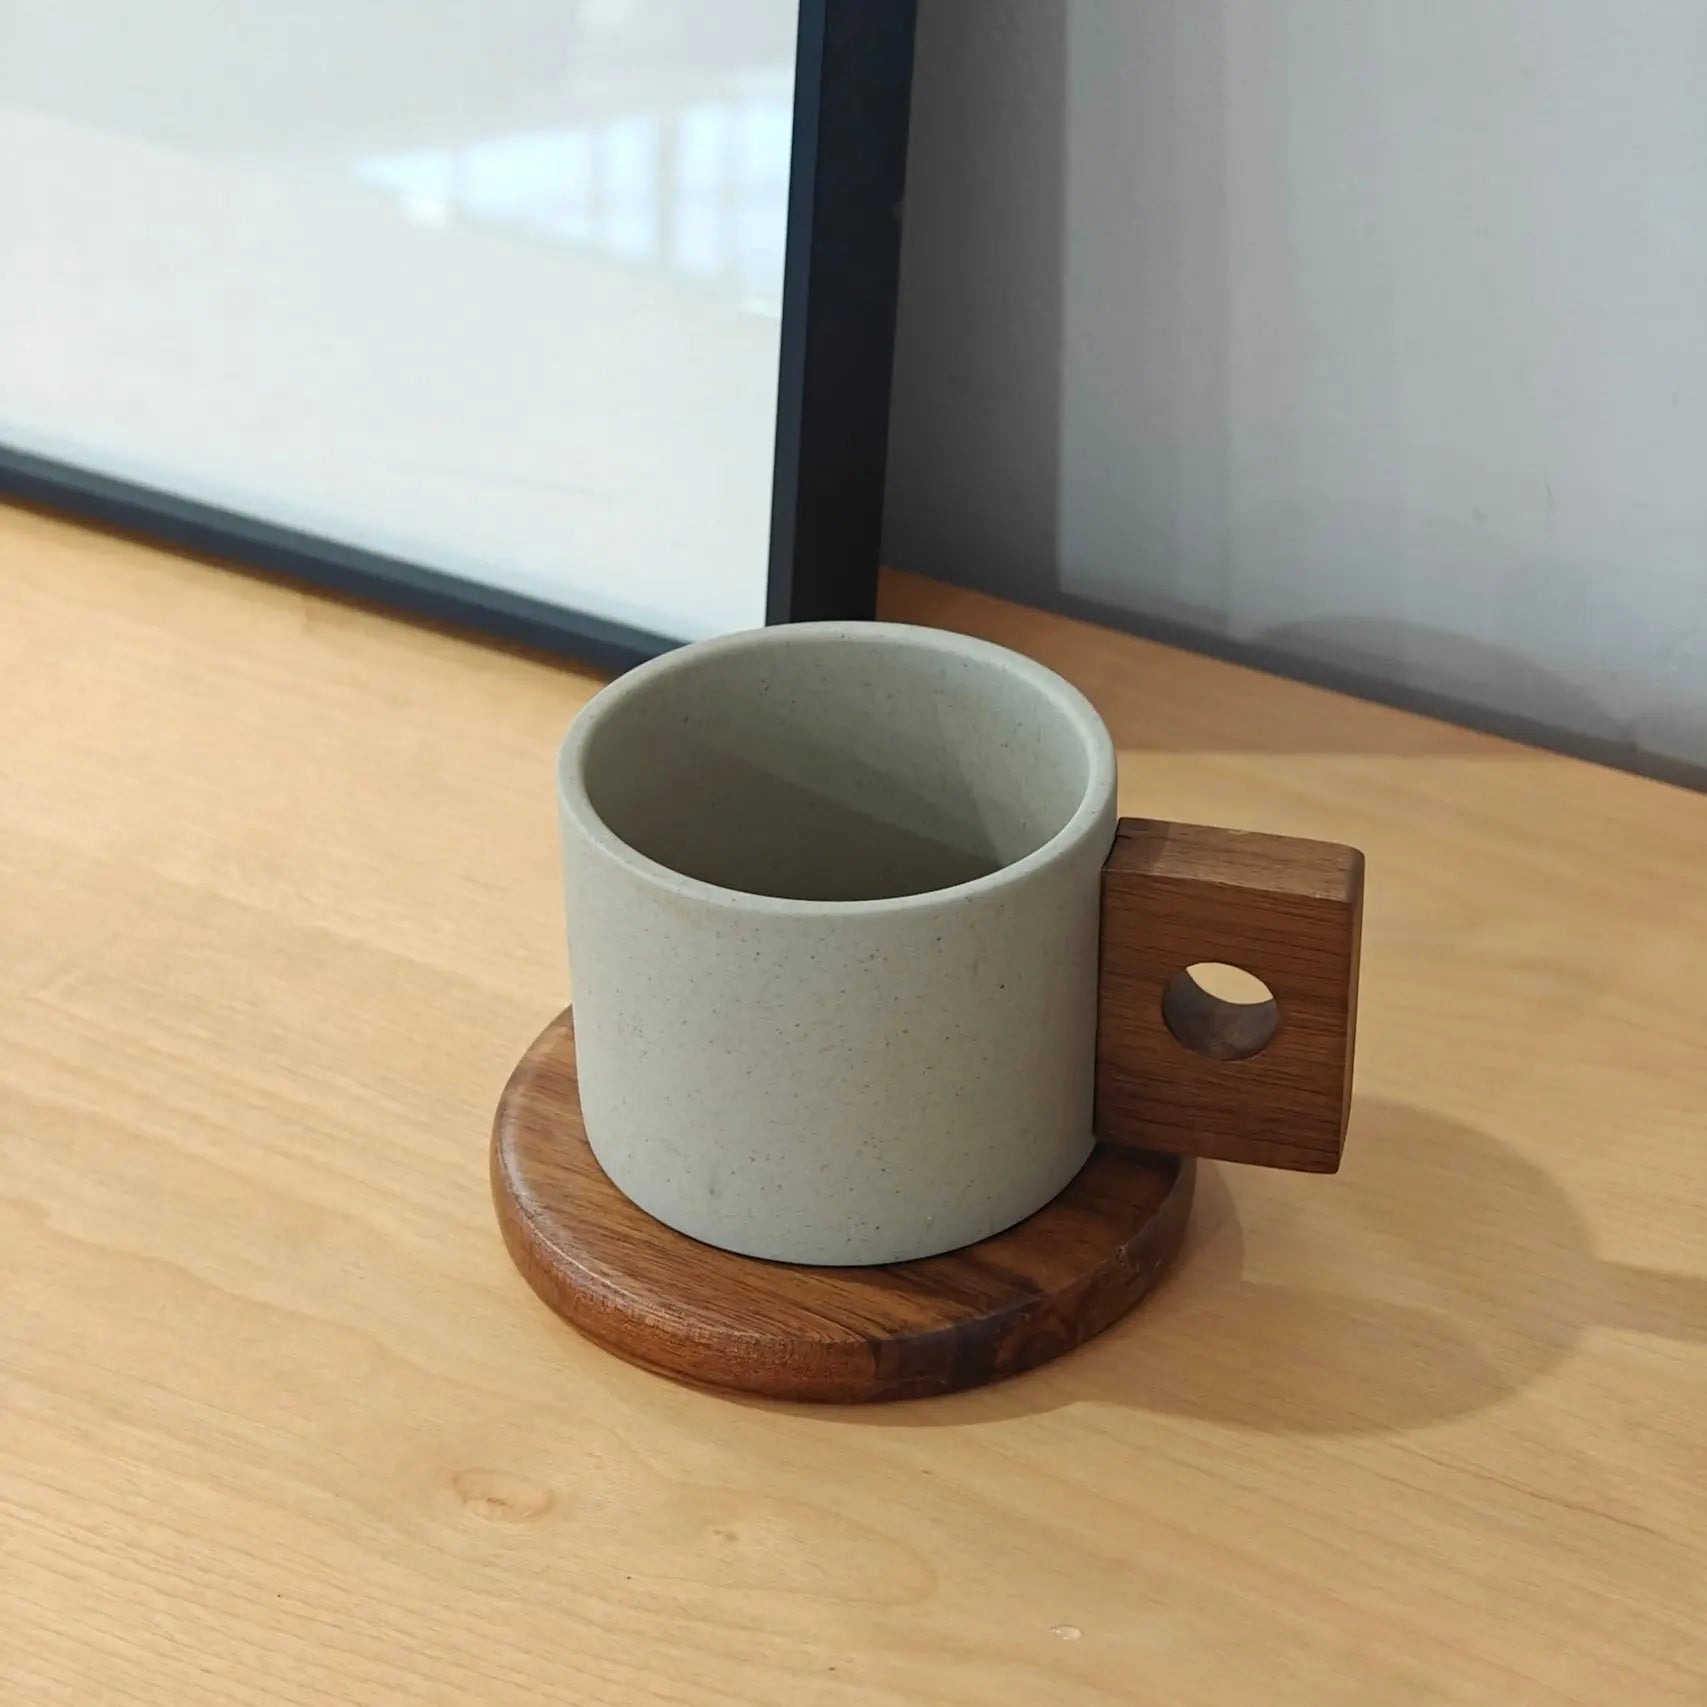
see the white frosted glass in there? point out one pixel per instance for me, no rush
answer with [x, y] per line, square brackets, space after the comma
[493, 287]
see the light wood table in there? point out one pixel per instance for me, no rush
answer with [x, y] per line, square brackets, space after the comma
[279, 907]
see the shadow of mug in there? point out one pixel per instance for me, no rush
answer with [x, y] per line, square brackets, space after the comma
[1441, 1272]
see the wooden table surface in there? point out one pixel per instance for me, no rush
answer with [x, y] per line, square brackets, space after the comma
[279, 1423]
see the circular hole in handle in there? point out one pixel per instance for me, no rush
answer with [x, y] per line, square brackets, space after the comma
[1220, 1011]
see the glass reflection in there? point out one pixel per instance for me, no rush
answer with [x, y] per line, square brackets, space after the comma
[700, 191]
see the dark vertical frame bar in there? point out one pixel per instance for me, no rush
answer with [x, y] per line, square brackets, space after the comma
[852, 86]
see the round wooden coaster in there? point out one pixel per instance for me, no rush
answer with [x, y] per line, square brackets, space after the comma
[665, 1301]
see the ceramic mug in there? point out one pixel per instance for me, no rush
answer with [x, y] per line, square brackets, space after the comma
[842, 911]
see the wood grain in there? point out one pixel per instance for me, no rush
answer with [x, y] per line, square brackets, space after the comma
[784, 1331]
[280, 1425]
[1180, 1071]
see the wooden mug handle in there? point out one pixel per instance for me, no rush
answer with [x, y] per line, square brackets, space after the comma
[1181, 1071]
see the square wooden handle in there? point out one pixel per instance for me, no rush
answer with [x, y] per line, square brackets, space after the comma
[1179, 1070]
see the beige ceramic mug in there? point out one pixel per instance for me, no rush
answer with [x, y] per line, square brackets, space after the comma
[839, 922]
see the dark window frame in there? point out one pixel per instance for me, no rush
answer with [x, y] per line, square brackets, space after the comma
[853, 78]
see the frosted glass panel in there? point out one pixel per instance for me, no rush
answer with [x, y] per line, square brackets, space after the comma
[489, 285]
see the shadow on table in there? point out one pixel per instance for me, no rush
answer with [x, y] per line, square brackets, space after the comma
[1471, 1275]
[1459, 684]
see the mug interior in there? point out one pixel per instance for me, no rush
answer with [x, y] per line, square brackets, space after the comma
[838, 764]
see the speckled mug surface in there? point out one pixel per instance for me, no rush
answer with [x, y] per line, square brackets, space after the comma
[832, 894]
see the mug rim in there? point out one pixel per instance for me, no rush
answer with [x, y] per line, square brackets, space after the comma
[1085, 821]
